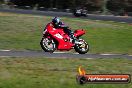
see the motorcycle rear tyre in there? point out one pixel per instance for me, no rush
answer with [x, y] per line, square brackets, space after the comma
[77, 48]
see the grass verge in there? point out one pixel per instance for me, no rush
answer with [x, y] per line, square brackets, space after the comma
[58, 73]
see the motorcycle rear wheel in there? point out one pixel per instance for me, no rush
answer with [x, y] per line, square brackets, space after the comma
[48, 45]
[81, 48]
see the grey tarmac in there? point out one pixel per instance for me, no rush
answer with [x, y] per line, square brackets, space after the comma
[61, 55]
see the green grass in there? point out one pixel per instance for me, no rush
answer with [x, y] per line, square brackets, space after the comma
[24, 32]
[58, 73]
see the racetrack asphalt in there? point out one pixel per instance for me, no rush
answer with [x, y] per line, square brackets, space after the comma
[65, 14]
[60, 55]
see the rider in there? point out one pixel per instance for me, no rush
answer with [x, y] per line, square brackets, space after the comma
[58, 24]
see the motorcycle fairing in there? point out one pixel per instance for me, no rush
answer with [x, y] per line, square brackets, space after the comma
[62, 38]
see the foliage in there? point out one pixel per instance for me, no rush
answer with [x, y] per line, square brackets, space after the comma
[66, 4]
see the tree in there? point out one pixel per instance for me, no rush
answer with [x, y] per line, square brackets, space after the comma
[116, 5]
[129, 6]
[24, 2]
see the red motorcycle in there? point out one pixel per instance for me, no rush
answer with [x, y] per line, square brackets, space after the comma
[56, 39]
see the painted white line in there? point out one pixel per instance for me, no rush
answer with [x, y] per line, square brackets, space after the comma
[129, 55]
[5, 50]
[97, 20]
[59, 52]
[109, 54]
[88, 58]
[36, 16]
[75, 53]
[122, 22]
[5, 56]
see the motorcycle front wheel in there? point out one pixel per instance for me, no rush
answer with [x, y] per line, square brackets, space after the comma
[81, 48]
[48, 45]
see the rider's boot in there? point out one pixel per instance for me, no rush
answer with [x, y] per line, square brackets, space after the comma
[75, 40]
